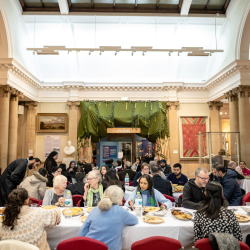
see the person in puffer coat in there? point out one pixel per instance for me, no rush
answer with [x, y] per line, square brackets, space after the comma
[36, 184]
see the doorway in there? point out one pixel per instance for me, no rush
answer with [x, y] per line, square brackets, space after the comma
[126, 148]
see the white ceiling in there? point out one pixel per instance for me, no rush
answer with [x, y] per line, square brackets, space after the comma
[90, 31]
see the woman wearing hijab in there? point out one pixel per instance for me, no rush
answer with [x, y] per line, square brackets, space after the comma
[50, 162]
[71, 168]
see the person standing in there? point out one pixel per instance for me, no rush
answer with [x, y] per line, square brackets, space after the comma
[13, 175]
[165, 167]
[50, 162]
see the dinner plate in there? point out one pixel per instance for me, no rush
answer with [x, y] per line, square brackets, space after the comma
[89, 209]
[153, 220]
[83, 218]
[2, 210]
[49, 207]
[242, 218]
[151, 209]
[185, 212]
[75, 211]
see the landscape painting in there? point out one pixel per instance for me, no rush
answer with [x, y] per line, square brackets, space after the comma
[52, 122]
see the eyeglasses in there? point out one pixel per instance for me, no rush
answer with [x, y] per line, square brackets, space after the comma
[204, 179]
[89, 179]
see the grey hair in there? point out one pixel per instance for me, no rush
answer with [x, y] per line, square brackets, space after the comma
[152, 164]
[112, 196]
[97, 174]
[231, 164]
[128, 164]
[198, 170]
[58, 180]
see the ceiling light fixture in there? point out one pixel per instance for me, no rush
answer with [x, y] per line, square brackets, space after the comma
[115, 53]
[221, 113]
[143, 53]
[225, 113]
[191, 51]
[132, 53]
[100, 53]
[89, 53]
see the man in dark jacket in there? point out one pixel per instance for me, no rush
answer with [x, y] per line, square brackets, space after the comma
[232, 166]
[78, 187]
[127, 170]
[177, 177]
[163, 186]
[13, 175]
[231, 188]
[166, 169]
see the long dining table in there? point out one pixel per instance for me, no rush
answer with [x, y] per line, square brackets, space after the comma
[172, 227]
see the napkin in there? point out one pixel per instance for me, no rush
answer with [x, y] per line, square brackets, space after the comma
[247, 210]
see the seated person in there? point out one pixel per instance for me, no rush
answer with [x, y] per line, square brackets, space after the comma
[144, 170]
[93, 190]
[118, 166]
[232, 166]
[150, 196]
[104, 170]
[78, 170]
[66, 173]
[213, 217]
[93, 166]
[81, 163]
[78, 187]
[152, 164]
[231, 188]
[127, 170]
[165, 168]
[110, 163]
[177, 177]
[20, 222]
[56, 195]
[213, 174]
[100, 226]
[163, 186]
[36, 184]
[55, 172]
[245, 171]
[135, 165]
[71, 168]
[112, 178]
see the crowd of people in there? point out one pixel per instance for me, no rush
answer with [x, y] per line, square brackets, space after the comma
[208, 193]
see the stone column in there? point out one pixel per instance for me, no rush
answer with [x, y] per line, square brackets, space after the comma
[174, 134]
[73, 124]
[20, 136]
[215, 126]
[30, 142]
[4, 125]
[13, 124]
[244, 122]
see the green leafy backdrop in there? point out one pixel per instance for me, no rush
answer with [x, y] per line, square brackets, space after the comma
[97, 116]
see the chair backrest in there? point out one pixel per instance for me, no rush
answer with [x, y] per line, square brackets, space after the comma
[246, 198]
[68, 183]
[78, 203]
[33, 200]
[169, 197]
[204, 244]
[76, 198]
[16, 245]
[130, 183]
[40, 203]
[156, 242]
[123, 201]
[81, 243]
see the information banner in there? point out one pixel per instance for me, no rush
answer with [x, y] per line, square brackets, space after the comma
[52, 143]
[109, 152]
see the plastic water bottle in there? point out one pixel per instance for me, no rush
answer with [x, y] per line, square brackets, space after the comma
[138, 204]
[126, 180]
[68, 200]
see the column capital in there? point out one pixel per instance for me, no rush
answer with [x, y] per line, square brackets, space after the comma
[31, 105]
[216, 104]
[174, 104]
[16, 95]
[242, 91]
[73, 105]
[231, 95]
[6, 90]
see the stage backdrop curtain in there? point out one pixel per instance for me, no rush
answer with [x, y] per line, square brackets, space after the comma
[97, 116]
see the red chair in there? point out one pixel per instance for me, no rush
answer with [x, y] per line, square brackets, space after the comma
[156, 242]
[204, 244]
[76, 198]
[78, 203]
[40, 203]
[180, 200]
[33, 200]
[246, 198]
[130, 183]
[172, 199]
[123, 201]
[68, 183]
[81, 243]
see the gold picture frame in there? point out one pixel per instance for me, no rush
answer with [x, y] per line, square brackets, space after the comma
[52, 123]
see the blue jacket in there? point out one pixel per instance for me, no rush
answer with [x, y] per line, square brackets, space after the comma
[107, 226]
[231, 188]
[137, 176]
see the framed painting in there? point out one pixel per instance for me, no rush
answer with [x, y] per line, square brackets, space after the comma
[190, 127]
[52, 123]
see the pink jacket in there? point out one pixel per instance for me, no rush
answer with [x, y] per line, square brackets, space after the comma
[246, 171]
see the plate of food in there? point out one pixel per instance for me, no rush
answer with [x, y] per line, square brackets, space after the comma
[152, 219]
[75, 211]
[1, 218]
[178, 190]
[181, 214]
[89, 209]
[83, 218]
[49, 188]
[151, 209]
[49, 207]
[2, 210]
[242, 218]
[174, 185]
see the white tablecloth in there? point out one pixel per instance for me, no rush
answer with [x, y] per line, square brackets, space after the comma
[176, 196]
[128, 192]
[245, 184]
[173, 228]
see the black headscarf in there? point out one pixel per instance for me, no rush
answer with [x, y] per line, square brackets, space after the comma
[50, 162]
